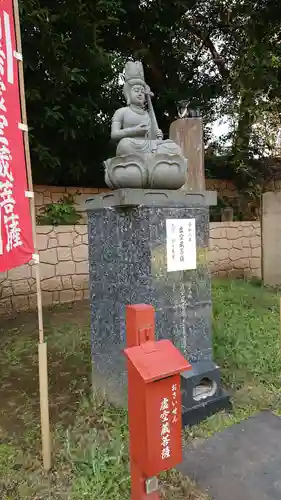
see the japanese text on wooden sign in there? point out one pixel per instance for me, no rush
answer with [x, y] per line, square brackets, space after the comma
[16, 245]
[180, 244]
[168, 418]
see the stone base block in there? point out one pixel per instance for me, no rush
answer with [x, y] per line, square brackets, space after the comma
[128, 264]
[202, 394]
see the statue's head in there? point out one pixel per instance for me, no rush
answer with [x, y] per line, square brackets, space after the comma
[135, 94]
[134, 86]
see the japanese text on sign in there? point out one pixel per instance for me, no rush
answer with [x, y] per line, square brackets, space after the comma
[16, 246]
[8, 213]
[180, 244]
[174, 404]
[165, 428]
[168, 418]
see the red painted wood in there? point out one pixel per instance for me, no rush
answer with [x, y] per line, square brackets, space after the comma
[154, 400]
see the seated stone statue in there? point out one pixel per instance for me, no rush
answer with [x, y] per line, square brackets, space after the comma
[135, 128]
[142, 156]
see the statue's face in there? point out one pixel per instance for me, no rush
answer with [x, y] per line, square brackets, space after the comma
[137, 95]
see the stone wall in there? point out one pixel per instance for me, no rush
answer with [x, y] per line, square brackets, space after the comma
[224, 188]
[43, 195]
[52, 194]
[235, 249]
[63, 268]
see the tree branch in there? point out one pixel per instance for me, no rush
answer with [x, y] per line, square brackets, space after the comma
[209, 45]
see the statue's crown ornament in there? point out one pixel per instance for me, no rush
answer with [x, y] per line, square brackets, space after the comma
[134, 71]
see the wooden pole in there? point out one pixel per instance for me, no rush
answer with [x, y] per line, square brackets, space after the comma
[42, 346]
[280, 320]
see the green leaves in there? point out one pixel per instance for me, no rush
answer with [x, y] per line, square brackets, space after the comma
[222, 57]
[61, 213]
[66, 68]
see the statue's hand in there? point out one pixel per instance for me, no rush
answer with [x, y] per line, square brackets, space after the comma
[141, 130]
[148, 91]
[159, 134]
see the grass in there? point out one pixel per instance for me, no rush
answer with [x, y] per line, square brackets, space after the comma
[246, 337]
[89, 435]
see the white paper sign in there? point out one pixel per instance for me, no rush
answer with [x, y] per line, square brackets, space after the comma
[181, 244]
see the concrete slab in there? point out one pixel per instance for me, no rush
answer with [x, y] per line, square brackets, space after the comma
[240, 463]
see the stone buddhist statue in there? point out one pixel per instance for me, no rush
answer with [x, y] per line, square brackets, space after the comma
[143, 159]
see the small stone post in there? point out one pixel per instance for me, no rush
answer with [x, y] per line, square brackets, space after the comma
[227, 214]
[271, 238]
[188, 134]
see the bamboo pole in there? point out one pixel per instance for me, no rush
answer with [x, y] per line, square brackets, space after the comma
[280, 320]
[42, 346]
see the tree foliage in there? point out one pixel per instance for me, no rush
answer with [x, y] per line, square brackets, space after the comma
[222, 56]
[69, 86]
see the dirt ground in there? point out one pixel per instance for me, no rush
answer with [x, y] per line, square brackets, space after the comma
[68, 372]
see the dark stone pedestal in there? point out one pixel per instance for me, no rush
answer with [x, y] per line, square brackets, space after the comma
[128, 265]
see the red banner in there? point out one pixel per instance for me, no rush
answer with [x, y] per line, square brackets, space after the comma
[16, 242]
